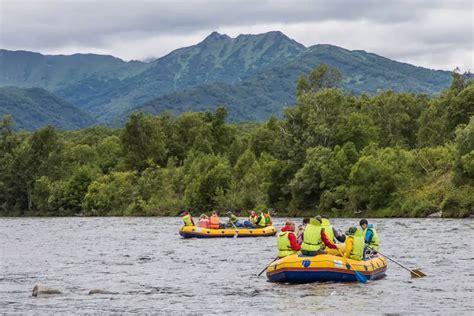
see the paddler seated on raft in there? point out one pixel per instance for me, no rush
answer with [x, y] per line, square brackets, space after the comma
[252, 221]
[332, 233]
[187, 219]
[233, 221]
[286, 241]
[315, 238]
[353, 248]
[203, 221]
[264, 219]
[214, 222]
[301, 228]
[370, 236]
[268, 217]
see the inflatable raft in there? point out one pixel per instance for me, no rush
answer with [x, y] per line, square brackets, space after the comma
[193, 231]
[303, 269]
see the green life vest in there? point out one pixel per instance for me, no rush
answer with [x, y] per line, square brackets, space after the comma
[187, 220]
[357, 252]
[312, 236]
[233, 219]
[327, 228]
[263, 221]
[284, 246]
[374, 242]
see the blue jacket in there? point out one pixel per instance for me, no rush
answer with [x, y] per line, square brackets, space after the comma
[369, 234]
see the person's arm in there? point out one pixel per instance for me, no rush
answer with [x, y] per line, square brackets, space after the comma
[326, 240]
[294, 244]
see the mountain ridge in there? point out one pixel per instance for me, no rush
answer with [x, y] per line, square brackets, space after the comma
[262, 68]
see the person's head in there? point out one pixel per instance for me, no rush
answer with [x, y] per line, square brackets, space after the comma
[290, 225]
[351, 231]
[252, 213]
[229, 213]
[319, 218]
[214, 213]
[305, 220]
[363, 223]
[184, 213]
[203, 216]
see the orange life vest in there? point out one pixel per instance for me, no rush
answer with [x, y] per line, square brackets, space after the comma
[214, 222]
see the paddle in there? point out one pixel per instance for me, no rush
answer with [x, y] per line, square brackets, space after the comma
[415, 273]
[267, 266]
[236, 231]
[359, 276]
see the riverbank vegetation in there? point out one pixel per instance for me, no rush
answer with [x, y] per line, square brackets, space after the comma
[391, 154]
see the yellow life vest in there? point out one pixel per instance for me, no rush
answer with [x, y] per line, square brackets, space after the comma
[263, 221]
[284, 245]
[374, 242]
[312, 236]
[327, 229]
[357, 252]
[187, 220]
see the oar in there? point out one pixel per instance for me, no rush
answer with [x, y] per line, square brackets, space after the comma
[415, 273]
[359, 276]
[267, 266]
[236, 231]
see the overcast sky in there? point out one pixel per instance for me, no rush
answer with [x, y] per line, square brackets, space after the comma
[434, 34]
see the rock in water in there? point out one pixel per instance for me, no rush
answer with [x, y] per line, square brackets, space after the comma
[100, 291]
[436, 215]
[43, 289]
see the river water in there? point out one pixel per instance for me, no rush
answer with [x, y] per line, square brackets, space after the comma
[153, 270]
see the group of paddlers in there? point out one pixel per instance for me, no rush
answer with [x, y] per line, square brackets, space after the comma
[317, 236]
[255, 220]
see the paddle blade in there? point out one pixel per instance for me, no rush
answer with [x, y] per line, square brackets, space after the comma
[415, 273]
[360, 277]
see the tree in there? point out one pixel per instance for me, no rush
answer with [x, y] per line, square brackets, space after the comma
[321, 77]
[143, 142]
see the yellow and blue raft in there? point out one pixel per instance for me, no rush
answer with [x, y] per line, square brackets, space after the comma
[198, 232]
[299, 268]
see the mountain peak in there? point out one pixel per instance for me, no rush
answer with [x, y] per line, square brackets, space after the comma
[216, 36]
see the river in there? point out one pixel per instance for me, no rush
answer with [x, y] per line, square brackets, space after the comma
[153, 270]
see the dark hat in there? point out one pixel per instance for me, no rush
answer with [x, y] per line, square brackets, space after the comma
[351, 231]
[363, 221]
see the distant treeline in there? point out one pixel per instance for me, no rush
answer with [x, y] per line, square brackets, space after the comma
[392, 154]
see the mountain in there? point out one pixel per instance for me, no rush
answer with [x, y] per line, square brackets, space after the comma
[54, 72]
[270, 90]
[33, 108]
[254, 75]
[218, 58]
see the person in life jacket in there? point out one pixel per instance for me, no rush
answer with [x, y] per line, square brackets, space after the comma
[233, 220]
[315, 239]
[252, 221]
[262, 220]
[268, 218]
[187, 219]
[214, 221]
[286, 241]
[301, 228]
[203, 221]
[354, 246]
[370, 235]
[333, 234]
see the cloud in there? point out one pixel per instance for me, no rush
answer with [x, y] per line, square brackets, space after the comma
[435, 34]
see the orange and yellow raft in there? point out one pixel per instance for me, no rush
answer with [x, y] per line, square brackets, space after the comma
[198, 232]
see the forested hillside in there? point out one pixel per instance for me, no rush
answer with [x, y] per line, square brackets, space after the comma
[390, 154]
[252, 75]
[34, 108]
